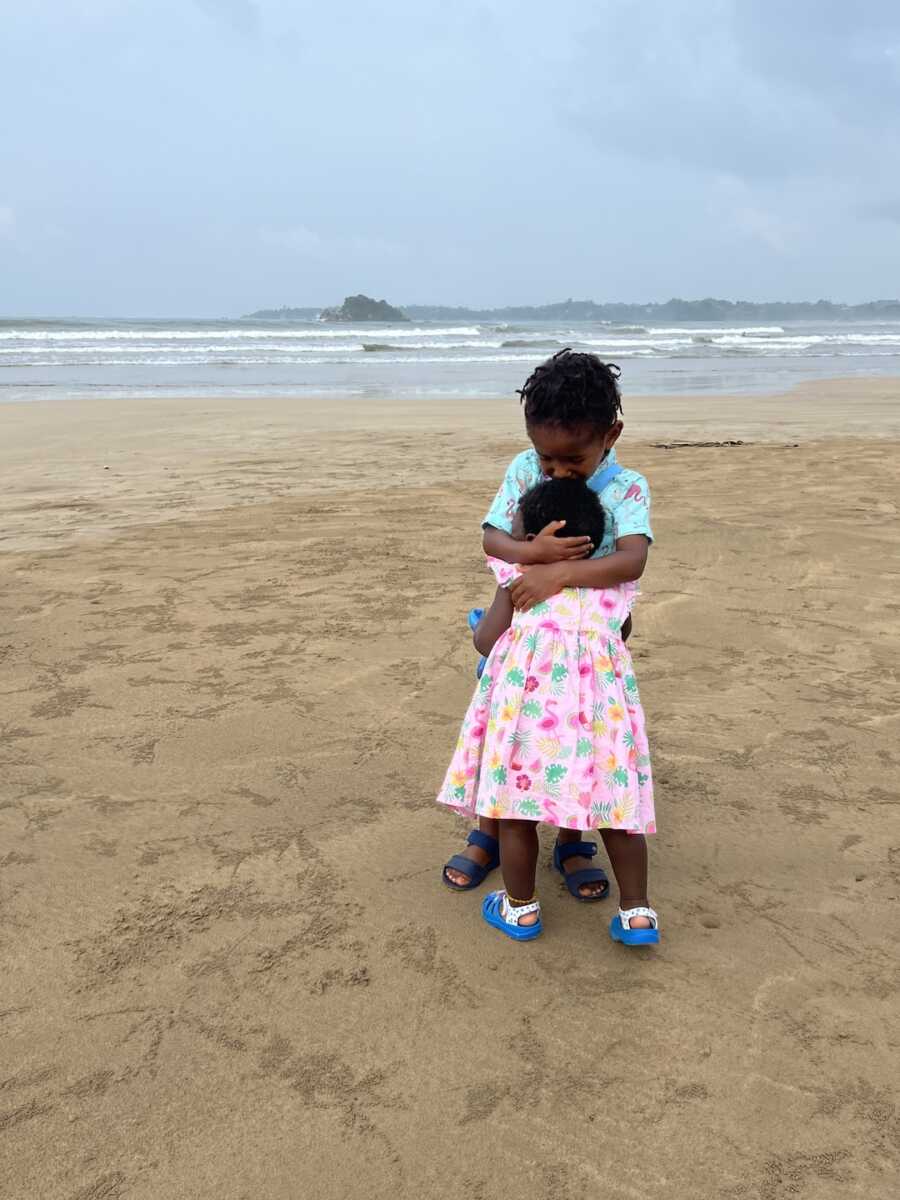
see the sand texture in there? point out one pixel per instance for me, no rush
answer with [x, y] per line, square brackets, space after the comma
[233, 667]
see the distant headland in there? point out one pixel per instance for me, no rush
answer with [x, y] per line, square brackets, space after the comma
[355, 309]
[362, 308]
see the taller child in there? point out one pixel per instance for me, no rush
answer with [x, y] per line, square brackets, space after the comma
[573, 417]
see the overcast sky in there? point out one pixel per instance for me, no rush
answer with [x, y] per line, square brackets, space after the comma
[207, 157]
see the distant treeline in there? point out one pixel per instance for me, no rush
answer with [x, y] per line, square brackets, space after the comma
[670, 310]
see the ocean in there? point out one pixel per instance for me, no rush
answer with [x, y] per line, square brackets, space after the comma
[61, 359]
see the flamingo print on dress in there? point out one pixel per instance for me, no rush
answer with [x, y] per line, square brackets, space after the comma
[557, 733]
[550, 722]
[480, 724]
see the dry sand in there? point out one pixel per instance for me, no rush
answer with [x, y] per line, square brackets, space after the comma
[233, 665]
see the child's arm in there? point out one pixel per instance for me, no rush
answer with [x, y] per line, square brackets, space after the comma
[625, 565]
[495, 622]
[544, 548]
[521, 474]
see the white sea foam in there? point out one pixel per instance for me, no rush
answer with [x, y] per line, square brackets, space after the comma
[746, 330]
[173, 335]
[277, 349]
[122, 348]
[614, 343]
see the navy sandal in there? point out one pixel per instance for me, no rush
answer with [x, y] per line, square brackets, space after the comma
[474, 872]
[563, 851]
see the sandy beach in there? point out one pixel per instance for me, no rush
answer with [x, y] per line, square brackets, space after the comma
[234, 663]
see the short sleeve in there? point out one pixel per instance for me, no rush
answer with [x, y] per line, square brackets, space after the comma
[632, 513]
[521, 474]
[504, 572]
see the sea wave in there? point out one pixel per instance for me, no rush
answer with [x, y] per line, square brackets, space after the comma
[614, 343]
[188, 349]
[746, 330]
[163, 335]
[217, 350]
[377, 347]
[254, 360]
[530, 343]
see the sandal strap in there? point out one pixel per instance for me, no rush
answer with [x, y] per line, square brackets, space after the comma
[464, 865]
[577, 879]
[512, 914]
[483, 841]
[626, 915]
[567, 850]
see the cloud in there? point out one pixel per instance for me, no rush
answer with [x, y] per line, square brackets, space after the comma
[887, 210]
[299, 240]
[242, 15]
[740, 210]
[760, 90]
[307, 243]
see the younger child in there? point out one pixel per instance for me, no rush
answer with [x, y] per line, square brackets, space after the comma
[555, 730]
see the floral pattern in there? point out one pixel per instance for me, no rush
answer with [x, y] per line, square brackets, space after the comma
[555, 731]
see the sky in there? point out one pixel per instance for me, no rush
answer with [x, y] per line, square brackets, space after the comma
[210, 157]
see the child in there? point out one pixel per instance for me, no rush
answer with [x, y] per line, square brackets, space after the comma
[572, 416]
[555, 730]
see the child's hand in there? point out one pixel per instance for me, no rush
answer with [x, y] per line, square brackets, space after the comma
[545, 547]
[537, 584]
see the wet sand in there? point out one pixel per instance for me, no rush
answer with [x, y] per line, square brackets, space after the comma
[233, 666]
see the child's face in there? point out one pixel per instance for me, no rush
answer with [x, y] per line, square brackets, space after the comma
[572, 453]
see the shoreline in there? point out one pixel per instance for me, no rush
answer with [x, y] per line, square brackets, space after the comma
[882, 380]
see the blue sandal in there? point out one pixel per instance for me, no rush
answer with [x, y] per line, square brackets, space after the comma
[473, 618]
[562, 852]
[475, 872]
[498, 912]
[620, 928]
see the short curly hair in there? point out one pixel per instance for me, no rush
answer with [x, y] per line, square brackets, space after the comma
[572, 389]
[569, 500]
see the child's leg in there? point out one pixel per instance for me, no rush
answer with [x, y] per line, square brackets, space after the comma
[628, 855]
[518, 861]
[475, 853]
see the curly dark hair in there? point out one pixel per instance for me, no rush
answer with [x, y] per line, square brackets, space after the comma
[572, 389]
[569, 500]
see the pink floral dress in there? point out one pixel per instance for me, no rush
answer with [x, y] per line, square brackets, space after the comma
[555, 731]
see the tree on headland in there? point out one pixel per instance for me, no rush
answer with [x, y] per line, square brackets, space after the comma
[363, 308]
